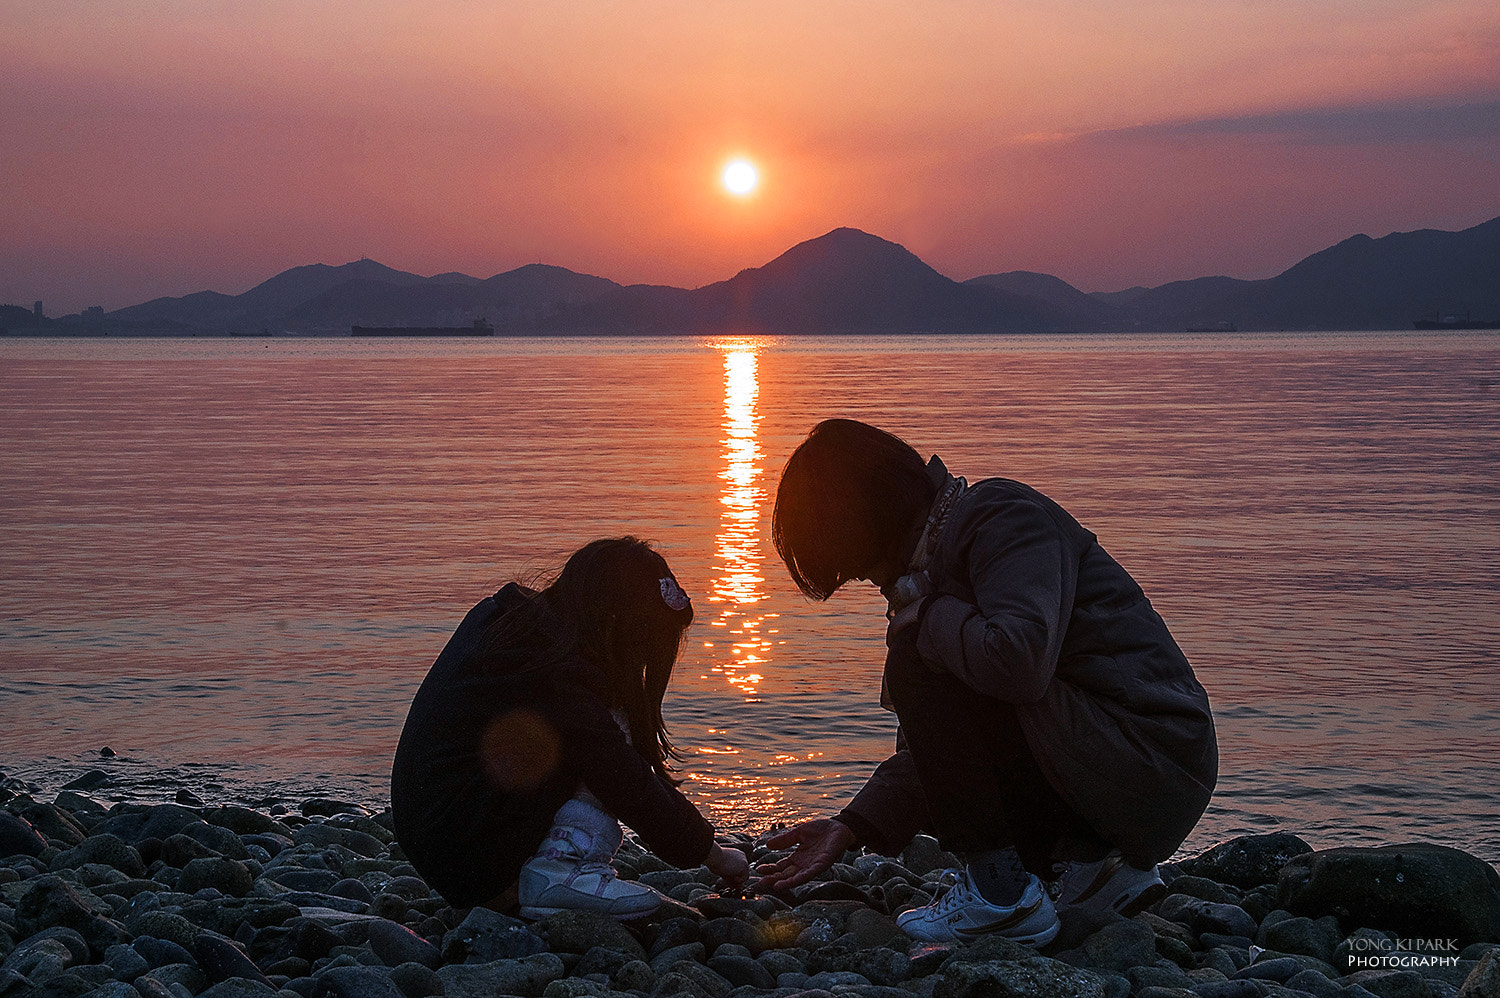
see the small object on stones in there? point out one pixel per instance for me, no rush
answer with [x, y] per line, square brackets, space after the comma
[187, 798]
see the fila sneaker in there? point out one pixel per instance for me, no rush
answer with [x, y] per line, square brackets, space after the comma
[962, 915]
[1109, 884]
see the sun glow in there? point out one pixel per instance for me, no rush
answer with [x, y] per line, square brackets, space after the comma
[740, 177]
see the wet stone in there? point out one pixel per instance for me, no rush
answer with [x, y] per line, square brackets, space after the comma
[358, 982]
[742, 971]
[395, 944]
[1206, 916]
[220, 959]
[1391, 983]
[229, 877]
[1247, 861]
[416, 981]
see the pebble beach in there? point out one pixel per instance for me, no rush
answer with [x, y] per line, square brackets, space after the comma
[314, 897]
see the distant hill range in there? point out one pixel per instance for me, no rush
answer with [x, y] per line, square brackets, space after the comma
[849, 281]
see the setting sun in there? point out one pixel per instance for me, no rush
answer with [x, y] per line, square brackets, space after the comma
[740, 177]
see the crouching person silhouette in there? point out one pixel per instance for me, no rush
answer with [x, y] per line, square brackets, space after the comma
[1049, 723]
[539, 729]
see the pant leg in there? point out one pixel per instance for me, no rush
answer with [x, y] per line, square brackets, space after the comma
[582, 829]
[983, 785]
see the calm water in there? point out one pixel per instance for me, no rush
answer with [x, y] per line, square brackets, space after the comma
[232, 561]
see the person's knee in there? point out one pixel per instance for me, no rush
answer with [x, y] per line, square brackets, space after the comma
[904, 668]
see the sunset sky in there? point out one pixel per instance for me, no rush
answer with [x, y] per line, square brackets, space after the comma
[161, 147]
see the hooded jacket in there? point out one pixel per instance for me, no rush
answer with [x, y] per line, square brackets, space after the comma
[491, 750]
[1028, 609]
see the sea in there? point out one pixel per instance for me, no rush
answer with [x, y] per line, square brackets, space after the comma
[230, 561]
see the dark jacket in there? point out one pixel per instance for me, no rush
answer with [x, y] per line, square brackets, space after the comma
[487, 757]
[1030, 610]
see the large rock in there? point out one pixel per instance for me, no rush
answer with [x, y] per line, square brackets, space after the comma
[158, 822]
[486, 935]
[41, 960]
[108, 849]
[1247, 861]
[1035, 977]
[53, 822]
[1309, 937]
[1206, 917]
[235, 987]
[18, 838]
[220, 960]
[1484, 980]
[527, 976]
[358, 982]
[395, 944]
[580, 931]
[1117, 946]
[227, 876]
[1419, 891]
[50, 900]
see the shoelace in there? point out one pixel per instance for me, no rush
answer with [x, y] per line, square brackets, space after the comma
[957, 893]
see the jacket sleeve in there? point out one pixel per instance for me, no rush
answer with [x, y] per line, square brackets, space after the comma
[594, 747]
[1023, 575]
[890, 809]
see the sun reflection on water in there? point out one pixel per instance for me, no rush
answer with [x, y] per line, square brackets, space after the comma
[739, 586]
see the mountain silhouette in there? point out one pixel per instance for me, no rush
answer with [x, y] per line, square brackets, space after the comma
[1359, 283]
[849, 281]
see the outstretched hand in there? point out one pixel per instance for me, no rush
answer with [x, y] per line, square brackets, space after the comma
[819, 844]
[729, 865]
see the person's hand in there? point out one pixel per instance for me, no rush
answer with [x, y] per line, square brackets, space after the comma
[729, 865]
[907, 617]
[819, 845]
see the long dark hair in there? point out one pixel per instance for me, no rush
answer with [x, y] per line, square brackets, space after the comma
[617, 604]
[848, 497]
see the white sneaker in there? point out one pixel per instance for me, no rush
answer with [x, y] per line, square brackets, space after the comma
[1109, 884]
[549, 885]
[962, 915]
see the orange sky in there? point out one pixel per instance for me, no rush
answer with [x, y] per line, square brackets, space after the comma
[159, 147]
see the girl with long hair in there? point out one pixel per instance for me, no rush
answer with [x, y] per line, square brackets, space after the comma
[539, 729]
